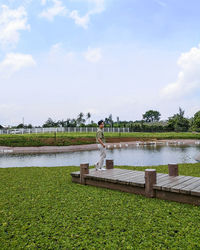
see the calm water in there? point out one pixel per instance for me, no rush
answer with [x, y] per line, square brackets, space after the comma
[137, 156]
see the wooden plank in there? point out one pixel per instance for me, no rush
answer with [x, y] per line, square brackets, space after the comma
[122, 176]
[105, 176]
[167, 181]
[196, 191]
[131, 175]
[106, 172]
[114, 170]
[133, 180]
[170, 179]
[161, 176]
[162, 179]
[188, 190]
[186, 186]
[137, 182]
[169, 186]
[93, 172]
[135, 177]
[110, 173]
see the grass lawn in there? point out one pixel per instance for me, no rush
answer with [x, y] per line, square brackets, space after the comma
[66, 139]
[42, 208]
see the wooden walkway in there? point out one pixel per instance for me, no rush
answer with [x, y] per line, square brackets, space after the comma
[184, 189]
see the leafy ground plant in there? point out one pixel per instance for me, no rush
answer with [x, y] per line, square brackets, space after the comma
[42, 208]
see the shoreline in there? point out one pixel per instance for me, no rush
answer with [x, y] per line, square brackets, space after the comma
[87, 147]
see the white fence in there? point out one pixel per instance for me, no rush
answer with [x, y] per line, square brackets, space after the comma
[61, 130]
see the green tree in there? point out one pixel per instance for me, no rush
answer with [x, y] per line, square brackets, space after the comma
[50, 123]
[62, 123]
[178, 122]
[72, 123]
[196, 121]
[21, 125]
[92, 124]
[151, 116]
[68, 122]
[29, 125]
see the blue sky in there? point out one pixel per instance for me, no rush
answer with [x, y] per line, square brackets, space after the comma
[61, 57]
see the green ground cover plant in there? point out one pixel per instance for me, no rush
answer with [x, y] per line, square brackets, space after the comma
[67, 139]
[42, 208]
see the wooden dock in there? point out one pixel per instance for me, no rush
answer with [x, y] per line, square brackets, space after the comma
[173, 187]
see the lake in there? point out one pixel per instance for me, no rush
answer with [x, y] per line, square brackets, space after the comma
[146, 155]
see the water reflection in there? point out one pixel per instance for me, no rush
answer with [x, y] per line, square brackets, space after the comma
[147, 155]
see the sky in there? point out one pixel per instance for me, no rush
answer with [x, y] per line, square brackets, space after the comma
[121, 57]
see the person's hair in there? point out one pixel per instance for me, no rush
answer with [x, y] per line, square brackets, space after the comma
[100, 122]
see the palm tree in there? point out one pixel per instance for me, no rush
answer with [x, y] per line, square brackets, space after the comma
[80, 118]
[110, 120]
[88, 116]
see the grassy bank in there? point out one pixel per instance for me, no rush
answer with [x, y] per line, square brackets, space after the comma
[66, 139]
[42, 208]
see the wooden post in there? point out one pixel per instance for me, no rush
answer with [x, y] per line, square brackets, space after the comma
[150, 180]
[173, 169]
[84, 169]
[109, 164]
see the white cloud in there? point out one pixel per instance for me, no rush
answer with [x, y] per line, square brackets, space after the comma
[93, 55]
[11, 22]
[58, 9]
[80, 21]
[56, 47]
[189, 76]
[14, 62]
[43, 2]
[98, 7]
[58, 51]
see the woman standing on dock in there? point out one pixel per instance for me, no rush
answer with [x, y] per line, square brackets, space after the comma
[100, 139]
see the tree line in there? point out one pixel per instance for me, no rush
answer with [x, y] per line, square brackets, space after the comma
[150, 122]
